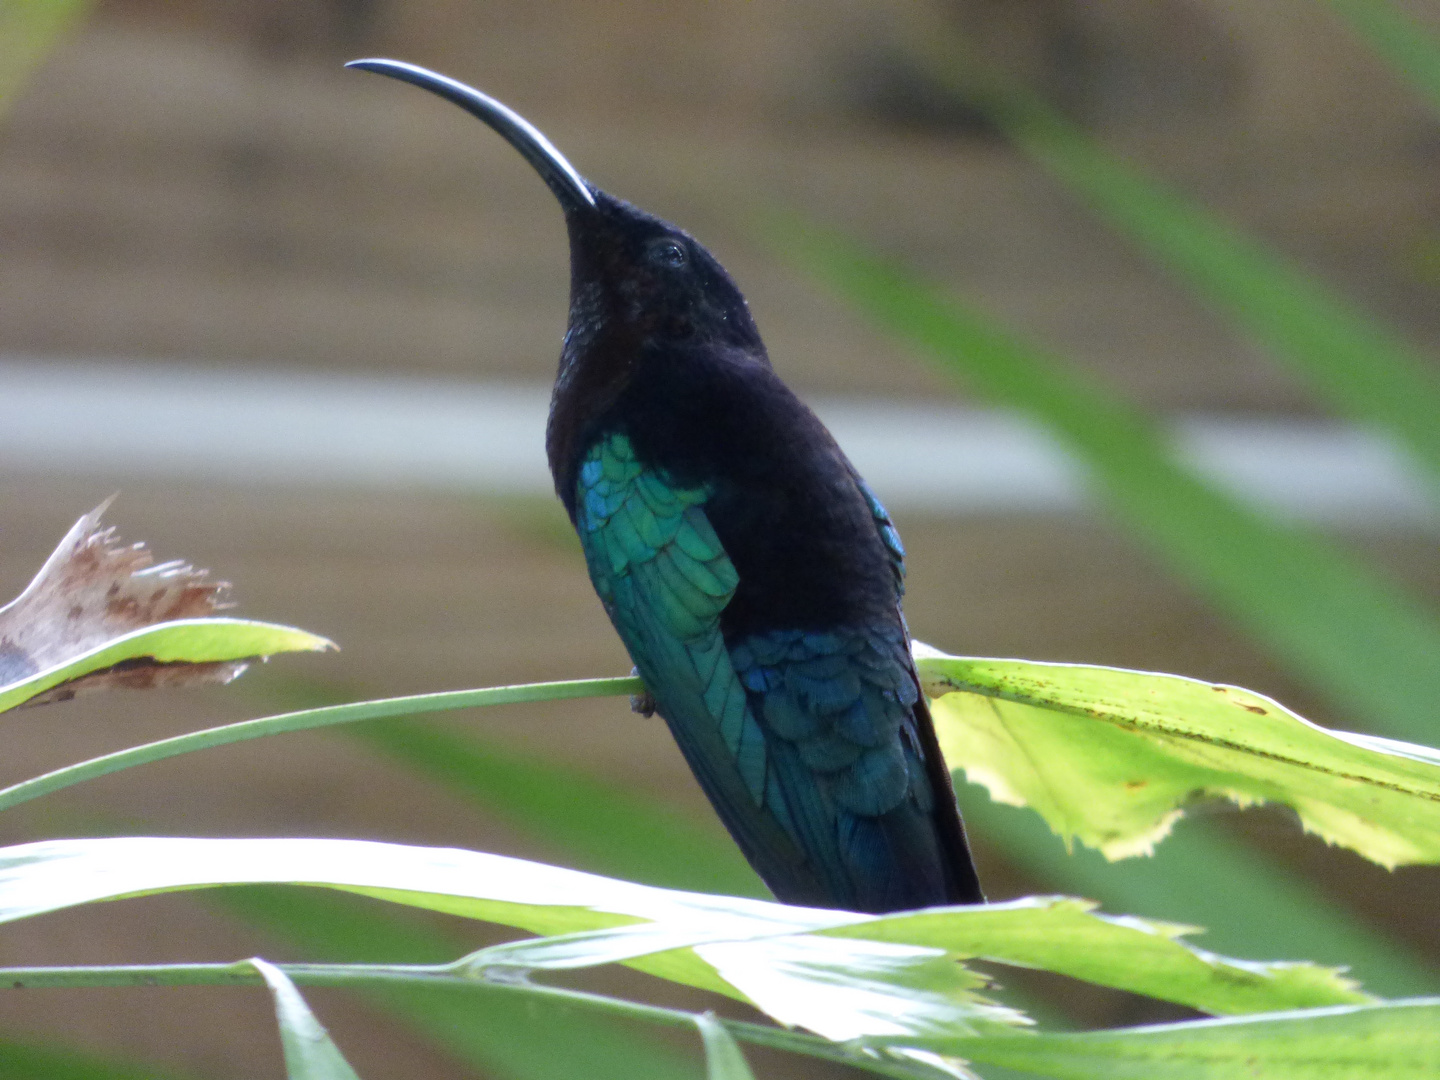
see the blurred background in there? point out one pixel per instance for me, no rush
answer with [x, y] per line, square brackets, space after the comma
[304, 320]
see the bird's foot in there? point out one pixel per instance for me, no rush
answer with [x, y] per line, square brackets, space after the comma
[642, 702]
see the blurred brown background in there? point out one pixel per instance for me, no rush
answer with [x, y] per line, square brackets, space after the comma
[199, 182]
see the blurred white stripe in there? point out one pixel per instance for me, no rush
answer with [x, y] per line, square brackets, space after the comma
[229, 425]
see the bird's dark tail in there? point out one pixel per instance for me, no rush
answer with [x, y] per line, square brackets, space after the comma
[962, 881]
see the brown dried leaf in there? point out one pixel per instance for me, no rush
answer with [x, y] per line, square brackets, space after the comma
[94, 589]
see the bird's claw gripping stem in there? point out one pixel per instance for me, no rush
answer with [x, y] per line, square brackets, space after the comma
[642, 703]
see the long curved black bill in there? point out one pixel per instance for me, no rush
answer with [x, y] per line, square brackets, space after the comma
[569, 186]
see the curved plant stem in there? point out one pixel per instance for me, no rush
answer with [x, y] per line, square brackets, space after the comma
[312, 718]
[444, 976]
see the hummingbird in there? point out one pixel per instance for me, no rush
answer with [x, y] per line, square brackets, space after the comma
[753, 576]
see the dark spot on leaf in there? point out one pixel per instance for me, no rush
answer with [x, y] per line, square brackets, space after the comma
[1252, 708]
[1136, 785]
[15, 663]
[143, 673]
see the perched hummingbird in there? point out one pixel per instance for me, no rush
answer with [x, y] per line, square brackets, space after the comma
[753, 576]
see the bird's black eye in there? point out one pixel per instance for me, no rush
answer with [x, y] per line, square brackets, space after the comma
[667, 253]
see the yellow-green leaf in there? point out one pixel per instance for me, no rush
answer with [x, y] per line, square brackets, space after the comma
[1109, 757]
[185, 642]
[1143, 956]
[1392, 1040]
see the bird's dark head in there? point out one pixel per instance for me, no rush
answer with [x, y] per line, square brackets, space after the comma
[644, 281]
[636, 281]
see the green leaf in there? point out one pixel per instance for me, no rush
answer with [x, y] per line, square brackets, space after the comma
[1393, 1040]
[723, 1059]
[1144, 956]
[310, 1053]
[886, 988]
[1334, 622]
[902, 977]
[1109, 756]
[187, 641]
[1202, 876]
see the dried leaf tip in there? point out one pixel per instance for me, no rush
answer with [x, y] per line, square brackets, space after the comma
[102, 614]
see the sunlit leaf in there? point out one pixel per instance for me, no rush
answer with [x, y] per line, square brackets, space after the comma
[150, 652]
[1393, 1040]
[1250, 904]
[902, 978]
[1109, 756]
[310, 1053]
[723, 1059]
[1144, 956]
[891, 988]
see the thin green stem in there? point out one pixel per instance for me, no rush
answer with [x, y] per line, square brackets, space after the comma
[444, 976]
[313, 718]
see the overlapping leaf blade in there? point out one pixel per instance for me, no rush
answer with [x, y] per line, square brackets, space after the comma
[1200, 876]
[1066, 935]
[916, 990]
[901, 977]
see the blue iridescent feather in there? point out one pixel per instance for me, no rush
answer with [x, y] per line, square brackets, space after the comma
[804, 739]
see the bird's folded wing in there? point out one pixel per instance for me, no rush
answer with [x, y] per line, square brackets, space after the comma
[664, 578]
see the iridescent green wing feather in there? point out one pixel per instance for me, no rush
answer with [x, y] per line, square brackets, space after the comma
[664, 579]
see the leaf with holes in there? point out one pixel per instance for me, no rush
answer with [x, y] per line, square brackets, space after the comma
[1110, 757]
